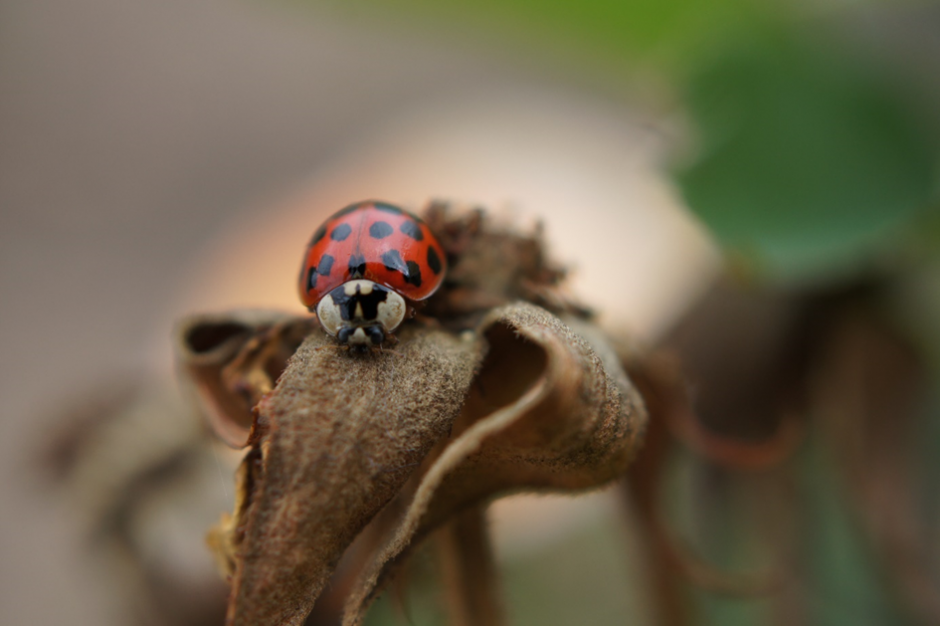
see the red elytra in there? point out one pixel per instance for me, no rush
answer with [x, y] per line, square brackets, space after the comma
[374, 241]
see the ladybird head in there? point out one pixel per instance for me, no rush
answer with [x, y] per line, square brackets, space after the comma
[361, 312]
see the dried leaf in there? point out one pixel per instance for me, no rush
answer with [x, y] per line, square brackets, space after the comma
[340, 435]
[228, 361]
[343, 436]
[543, 414]
[492, 265]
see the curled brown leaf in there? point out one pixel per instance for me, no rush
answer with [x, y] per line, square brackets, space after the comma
[228, 361]
[544, 413]
[338, 438]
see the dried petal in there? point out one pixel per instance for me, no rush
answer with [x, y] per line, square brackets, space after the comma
[546, 412]
[338, 438]
[229, 360]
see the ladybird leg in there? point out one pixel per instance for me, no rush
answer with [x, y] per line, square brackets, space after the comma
[376, 335]
[388, 350]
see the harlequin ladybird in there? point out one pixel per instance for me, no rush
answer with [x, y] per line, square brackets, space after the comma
[365, 267]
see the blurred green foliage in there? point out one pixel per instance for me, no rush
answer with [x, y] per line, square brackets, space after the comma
[608, 35]
[807, 165]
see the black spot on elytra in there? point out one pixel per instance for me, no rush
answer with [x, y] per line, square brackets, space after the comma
[411, 229]
[318, 234]
[414, 274]
[341, 232]
[357, 266]
[434, 261]
[410, 270]
[370, 302]
[326, 265]
[311, 278]
[393, 262]
[388, 208]
[381, 230]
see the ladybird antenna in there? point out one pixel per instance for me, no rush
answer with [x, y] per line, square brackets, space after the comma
[383, 350]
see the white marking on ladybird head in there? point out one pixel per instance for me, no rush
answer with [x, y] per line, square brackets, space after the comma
[392, 311]
[359, 338]
[353, 287]
[330, 316]
[361, 312]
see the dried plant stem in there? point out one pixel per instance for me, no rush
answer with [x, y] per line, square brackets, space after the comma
[469, 571]
[870, 385]
[669, 597]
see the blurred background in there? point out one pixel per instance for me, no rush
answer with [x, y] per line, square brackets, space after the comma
[751, 187]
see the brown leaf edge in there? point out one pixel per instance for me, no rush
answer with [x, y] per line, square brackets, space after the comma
[572, 421]
[227, 361]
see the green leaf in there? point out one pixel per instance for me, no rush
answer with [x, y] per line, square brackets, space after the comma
[807, 164]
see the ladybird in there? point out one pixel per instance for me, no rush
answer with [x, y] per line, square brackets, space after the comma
[364, 269]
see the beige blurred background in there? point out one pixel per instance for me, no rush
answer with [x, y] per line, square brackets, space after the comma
[157, 157]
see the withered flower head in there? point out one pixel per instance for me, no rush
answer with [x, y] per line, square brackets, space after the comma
[501, 386]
